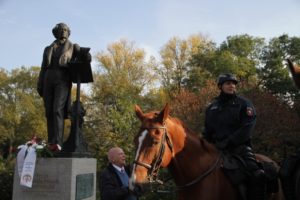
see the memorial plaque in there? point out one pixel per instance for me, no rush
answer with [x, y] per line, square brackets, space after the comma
[84, 186]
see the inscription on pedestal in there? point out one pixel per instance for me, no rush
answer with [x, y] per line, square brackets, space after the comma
[84, 186]
[59, 179]
[44, 183]
[44, 186]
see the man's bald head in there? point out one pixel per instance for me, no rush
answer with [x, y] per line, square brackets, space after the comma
[116, 156]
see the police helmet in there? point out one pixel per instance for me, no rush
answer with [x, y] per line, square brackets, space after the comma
[226, 77]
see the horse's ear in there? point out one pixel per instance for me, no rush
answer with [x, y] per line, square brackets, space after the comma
[164, 113]
[139, 113]
[295, 71]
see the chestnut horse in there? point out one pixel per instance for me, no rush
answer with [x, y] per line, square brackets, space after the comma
[194, 163]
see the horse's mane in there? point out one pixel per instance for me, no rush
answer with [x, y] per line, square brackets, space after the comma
[180, 122]
[194, 136]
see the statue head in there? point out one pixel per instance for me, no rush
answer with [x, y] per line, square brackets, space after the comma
[61, 31]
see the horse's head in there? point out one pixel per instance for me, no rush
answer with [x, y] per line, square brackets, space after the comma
[153, 146]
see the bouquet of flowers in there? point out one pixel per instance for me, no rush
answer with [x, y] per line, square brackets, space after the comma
[42, 149]
[27, 155]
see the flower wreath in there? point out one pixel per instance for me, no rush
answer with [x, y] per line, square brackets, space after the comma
[42, 149]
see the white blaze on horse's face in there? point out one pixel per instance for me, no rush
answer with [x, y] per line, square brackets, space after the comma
[132, 179]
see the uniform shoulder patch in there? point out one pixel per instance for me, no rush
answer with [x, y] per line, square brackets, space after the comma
[249, 111]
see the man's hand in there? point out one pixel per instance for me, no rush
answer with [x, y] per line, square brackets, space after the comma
[137, 191]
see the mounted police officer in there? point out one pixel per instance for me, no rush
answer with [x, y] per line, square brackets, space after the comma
[229, 122]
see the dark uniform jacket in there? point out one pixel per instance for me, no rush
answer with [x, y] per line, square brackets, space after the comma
[229, 118]
[111, 186]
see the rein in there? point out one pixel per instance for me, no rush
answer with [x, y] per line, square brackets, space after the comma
[152, 176]
[202, 176]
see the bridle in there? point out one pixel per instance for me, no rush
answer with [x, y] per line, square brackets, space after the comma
[156, 164]
[153, 168]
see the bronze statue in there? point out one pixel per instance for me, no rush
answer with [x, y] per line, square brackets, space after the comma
[54, 83]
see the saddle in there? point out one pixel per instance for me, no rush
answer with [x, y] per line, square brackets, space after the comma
[234, 168]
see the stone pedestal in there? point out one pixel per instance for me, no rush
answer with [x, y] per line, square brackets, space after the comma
[59, 179]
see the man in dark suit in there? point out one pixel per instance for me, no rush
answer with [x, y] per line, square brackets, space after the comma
[114, 179]
[54, 83]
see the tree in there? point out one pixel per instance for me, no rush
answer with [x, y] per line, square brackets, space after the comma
[240, 55]
[21, 109]
[274, 76]
[277, 130]
[190, 107]
[176, 55]
[121, 78]
[244, 46]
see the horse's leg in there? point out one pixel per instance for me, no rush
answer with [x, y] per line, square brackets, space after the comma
[288, 176]
[297, 183]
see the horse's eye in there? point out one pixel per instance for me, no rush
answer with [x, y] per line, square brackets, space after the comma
[155, 142]
[157, 132]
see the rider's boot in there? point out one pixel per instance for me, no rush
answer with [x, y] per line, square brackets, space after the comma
[288, 189]
[257, 186]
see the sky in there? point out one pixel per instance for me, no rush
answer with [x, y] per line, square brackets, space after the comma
[26, 25]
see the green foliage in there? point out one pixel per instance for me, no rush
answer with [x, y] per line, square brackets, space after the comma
[200, 66]
[274, 75]
[239, 55]
[176, 68]
[244, 46]
[6, 184]
[21, 114]
[120, 80]
[6, 180]
[154, 99]
[186, 72]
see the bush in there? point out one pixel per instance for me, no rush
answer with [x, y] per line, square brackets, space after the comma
[6, 184]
